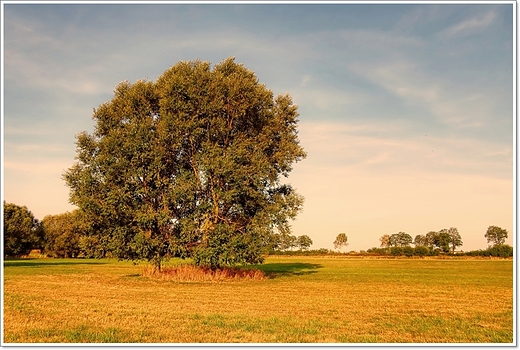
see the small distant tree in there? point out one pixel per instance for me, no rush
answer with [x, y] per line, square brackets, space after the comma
[496, 235]
[401, 239]
[303, 242]
[287, 241]
[443, 240]
[455, 239]
[385, 241]
[420, 241]
[341, 241]
[22, 231]
[431, 238]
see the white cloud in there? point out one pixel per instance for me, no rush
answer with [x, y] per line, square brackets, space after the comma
[469, 26]
[455, 105]
[393, 149]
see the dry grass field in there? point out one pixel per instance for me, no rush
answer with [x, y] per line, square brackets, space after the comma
[303, 299]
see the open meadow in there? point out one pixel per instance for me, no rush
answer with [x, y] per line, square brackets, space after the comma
[303, 299]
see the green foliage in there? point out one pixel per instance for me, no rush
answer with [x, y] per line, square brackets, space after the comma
[22, 231]
[396, 251]
[498, 250]
[501, 250]
[377, 251]
[408, 251]
[341, 241]
[286, 241]
[442, 240]
[420, 240]
[303, 242]
[401, 239]
[91, 247]
[189, 166]
[446, 240]
[496, 235]
[385, 241]
[313, 252]
[421, 251]
[455, 239]
[63, 233]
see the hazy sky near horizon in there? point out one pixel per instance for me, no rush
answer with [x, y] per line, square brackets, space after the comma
[406, 110]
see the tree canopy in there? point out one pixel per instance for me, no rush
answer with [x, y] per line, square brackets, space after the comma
[189, 166]
[341, 241]
[22, 231]
[496, 235]
[63, 233]
[303, 242]
[445, 239]
[401, 239]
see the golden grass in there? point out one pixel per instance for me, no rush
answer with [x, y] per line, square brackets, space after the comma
[316, 300]
[191, 273]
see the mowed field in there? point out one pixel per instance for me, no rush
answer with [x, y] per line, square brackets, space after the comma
[304, 299]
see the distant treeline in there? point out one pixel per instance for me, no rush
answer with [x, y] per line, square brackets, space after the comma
[67, 235]
[502, 251]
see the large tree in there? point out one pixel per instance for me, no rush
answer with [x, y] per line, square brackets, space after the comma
[22, 231]
[189, 166]
[496, 235]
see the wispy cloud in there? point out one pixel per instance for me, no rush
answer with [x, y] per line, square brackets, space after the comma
[448, 102]
[373, 148]
[470, 26]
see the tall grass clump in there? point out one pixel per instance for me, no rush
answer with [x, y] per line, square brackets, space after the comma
[192, 273]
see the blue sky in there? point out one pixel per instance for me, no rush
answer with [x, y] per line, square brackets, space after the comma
[406, 110]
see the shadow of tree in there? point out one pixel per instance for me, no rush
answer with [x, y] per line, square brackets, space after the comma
[274, 270]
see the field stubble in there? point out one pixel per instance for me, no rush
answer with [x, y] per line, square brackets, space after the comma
[314, 300]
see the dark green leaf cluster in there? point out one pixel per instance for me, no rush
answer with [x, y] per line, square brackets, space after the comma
[285, 242]
[22, 231]
[401, 239]
[498, 250]
[445, 240]
[65, 235]
[189, 166]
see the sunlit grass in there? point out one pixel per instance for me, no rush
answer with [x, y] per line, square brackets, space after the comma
[303, 299]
